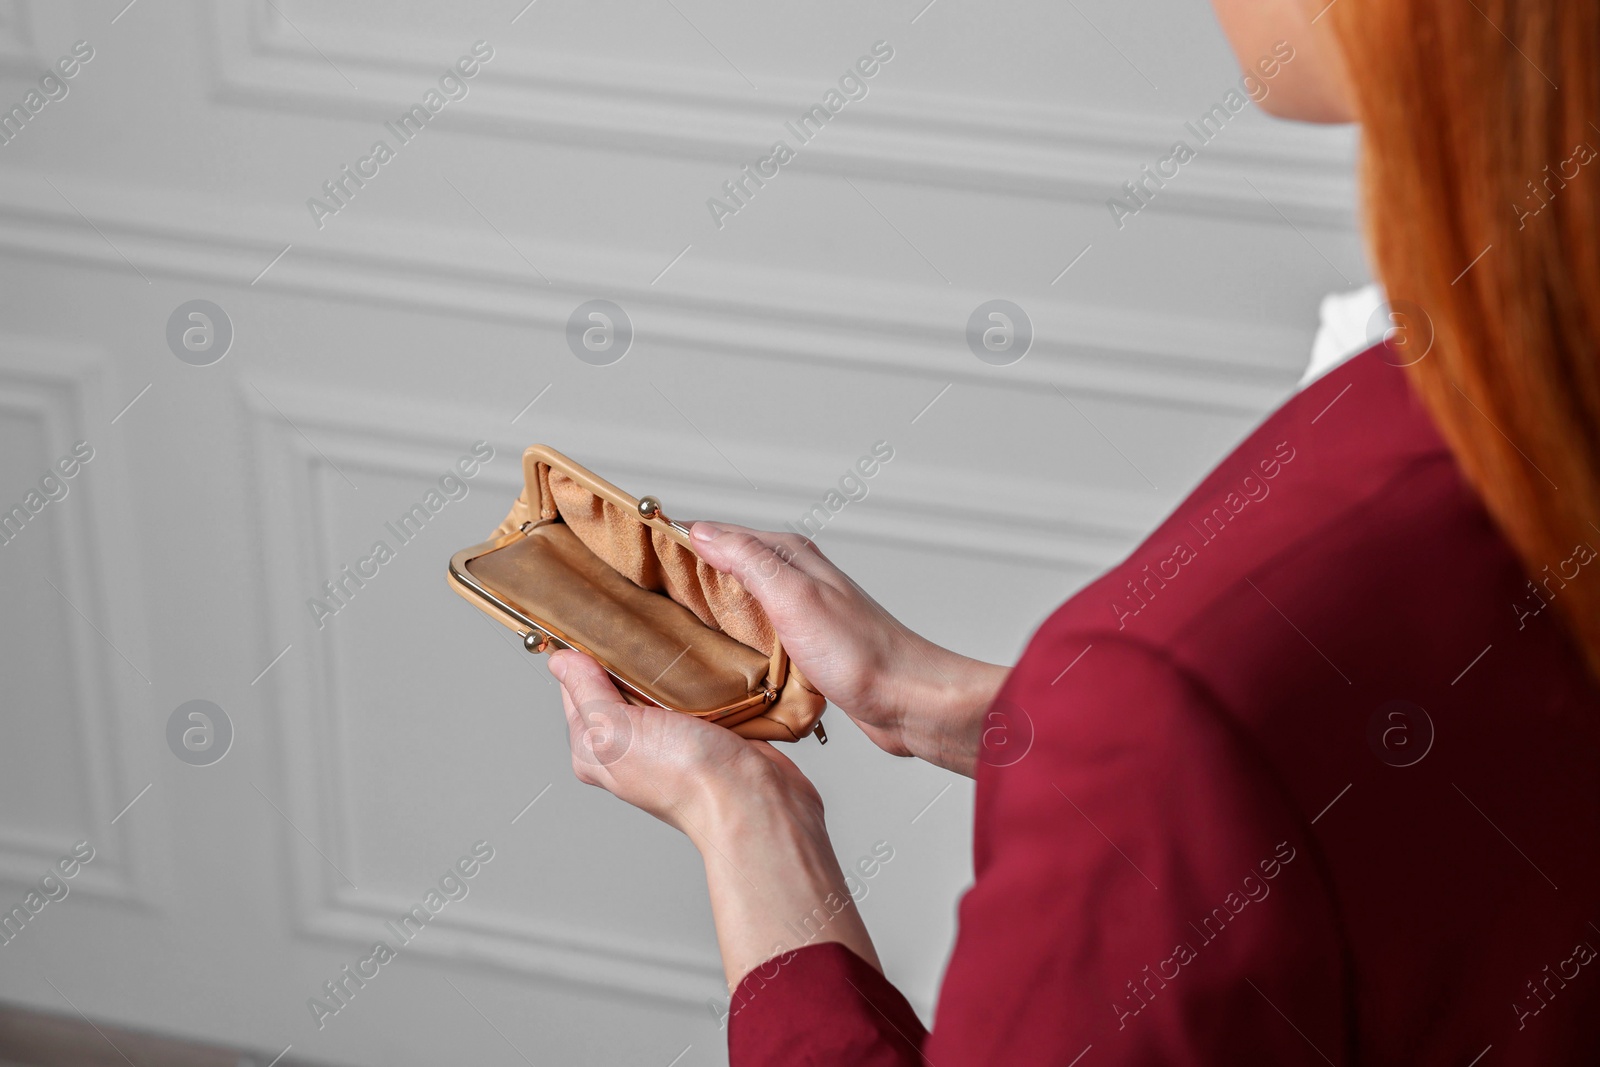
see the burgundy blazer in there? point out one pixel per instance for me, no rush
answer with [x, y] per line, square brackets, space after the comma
[1313, 777]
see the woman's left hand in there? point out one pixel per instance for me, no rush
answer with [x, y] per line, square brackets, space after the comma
[756, 819]
[676, 767]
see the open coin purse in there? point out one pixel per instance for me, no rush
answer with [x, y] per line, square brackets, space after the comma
[580, 564]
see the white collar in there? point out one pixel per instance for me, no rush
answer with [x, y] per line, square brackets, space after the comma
[1351, 322]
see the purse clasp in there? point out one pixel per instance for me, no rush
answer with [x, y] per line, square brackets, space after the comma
[650, 508]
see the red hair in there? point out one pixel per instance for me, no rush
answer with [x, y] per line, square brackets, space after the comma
[1482, 187]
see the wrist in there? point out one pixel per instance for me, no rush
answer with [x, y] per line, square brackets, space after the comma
[775, 882]
[729, 805]
[733, 810]
[943, 717]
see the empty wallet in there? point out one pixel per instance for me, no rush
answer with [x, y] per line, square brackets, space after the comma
[580, 564]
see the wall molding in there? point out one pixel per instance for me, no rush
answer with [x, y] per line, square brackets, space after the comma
[1063, 526]
[798, 319]
[60, 385]
[1007, 148]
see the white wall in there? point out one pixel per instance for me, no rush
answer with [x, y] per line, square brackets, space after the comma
[426, 314]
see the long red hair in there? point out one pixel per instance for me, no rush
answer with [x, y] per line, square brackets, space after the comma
[1481, 173]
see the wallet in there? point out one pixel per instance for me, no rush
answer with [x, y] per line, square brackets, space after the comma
[580, 564]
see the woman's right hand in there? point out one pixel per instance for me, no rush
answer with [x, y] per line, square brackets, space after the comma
[909, 695]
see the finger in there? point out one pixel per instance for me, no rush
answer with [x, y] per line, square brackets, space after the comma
[790, 547]
[568, 707]
[770, 566]
[575, 729]
[598, 732]
[582, 679]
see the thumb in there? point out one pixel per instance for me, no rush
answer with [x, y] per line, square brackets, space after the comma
[583, 681]
[764, 563]
[599, 730]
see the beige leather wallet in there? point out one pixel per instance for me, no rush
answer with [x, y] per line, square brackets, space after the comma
[580, 564]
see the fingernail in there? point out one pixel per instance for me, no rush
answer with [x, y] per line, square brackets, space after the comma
[558, 667]
[705, 531]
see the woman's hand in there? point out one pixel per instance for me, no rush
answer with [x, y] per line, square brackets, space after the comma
[694, 768]
[910, 696]
[755, 818]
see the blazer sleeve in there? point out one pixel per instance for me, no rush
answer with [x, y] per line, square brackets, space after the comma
[1143, 894]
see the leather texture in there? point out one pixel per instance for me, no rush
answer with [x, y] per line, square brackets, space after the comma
[629, 590]
[556, 579]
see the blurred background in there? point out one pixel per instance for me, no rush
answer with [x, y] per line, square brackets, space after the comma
[264, 387]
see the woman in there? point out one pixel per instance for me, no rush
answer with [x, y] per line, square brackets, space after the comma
[1314, 775]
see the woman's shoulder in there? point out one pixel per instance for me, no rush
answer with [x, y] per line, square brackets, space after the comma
[1330, 597]
[1337, 562]
[1344, 508]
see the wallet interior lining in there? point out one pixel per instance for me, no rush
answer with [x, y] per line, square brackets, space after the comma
[653, 560]
[554, 578]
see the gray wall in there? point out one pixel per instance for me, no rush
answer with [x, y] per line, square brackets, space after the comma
[369, 352]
